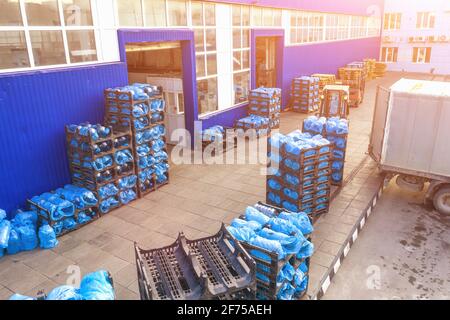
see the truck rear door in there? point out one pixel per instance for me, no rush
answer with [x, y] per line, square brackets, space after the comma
[379, 123]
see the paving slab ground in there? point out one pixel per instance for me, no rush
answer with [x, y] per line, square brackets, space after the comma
[197, 201]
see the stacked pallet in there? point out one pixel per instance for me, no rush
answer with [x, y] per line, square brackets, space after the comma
[370, 68]
[216, 267]
[360, 65]
[324, 80]
[354, 78]
[380, 69]
[336, 131]
[266, 102]
[253, 126]
[101, 160]
[299, 173]
[140, 108]
[305, 94]
[279, 242]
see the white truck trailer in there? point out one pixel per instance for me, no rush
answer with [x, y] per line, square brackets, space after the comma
[410, 137]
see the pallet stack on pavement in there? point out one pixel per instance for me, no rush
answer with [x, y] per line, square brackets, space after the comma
[370, 68]
[101, 160]
[213, 268]
[299, 173]
[336, 131]
[354, 78]
[279, 242]
[380, 69]
[266, 102]
[305, 94]
[324, 80]
[253, 126]
[141, 109]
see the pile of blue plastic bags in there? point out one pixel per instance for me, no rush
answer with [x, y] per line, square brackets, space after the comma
[94, 286]
[283, 234]
[22, 233]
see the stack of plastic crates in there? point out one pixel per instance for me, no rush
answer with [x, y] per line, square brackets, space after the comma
[211, 268]
[360, 65]
[66, 209]
[299, 173]
[336, 131]
[279, 242]
[305, 94]
[266, 102]
[354, 78]
[380, 69]
[370, 63]
[101, 160]
[253, 126]
[141, 108]
[324, 80]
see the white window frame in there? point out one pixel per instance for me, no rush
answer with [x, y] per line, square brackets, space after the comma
[424, 19]
[390, 17]
[390, 53]
[63, 29]
[421, 51]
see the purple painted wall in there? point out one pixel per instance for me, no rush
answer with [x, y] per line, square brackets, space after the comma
[356, 7]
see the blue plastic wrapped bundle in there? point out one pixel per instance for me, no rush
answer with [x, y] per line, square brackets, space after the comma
[47, 237]
[140, 110]
[57, 207]
[161, 156]
[157, 117]
[269, 245]
[323, 144]
[24, 219]
[127, 182]
[123, 156]
[64, 293]
[291, 244]
[108, 191]
[338, 154]
[97, 286]
[297, 135]
[290, 194]
[83, 218]
[291, 179]
[158, 145]
[58, 227]
[274, 185]
[284, 226]
[300, 220]
[2, 215]
[143, 150]
[141, 123]
[337, 176]
[287, 273]
[253, 225]
[252, 121]
[159, 131]
[108, 204]
[69, 224]
[286, 292]
[251, 214]
[306, 251]
[277, 140]
[244, 234]
[19, 297]
[28, 237]
[5, 230]
[315, 124]
[157, 105]
[127, 196]
[214, 133]
[14, 243]
[337, 165]
[290, 206]
[274, 198]
[81, 197]
[102, 163]
[337, 126]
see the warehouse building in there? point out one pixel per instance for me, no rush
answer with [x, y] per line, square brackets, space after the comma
[416, 38]
[57, 57]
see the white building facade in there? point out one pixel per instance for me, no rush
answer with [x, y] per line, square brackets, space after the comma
[416, 36]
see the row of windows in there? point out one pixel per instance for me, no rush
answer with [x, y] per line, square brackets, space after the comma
[424, 20]
[419, 54]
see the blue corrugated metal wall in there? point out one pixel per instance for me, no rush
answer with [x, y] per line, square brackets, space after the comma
[34, 109]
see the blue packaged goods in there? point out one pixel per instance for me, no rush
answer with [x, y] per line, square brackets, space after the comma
[95, 132]
[80, 197]
[143, 150]
[140, 110]
[315, 124]
[337, 176]
[287, 273]
[123, 156]
[338, 154]
[28, 238]
[161, 156]
[69, 224]
[306, 251]
[157, 105]
[287, 291]
[251, 214]
[127, 196]
[337, 165]
[277, 140]
[108, 191]
[337, 126]
[300, 220]
[127, 182]
[102, 163]
[284, 226]
[269, 245]
[242, 233]
[291, 244]
[158, 145]
[253, 225]
[273, 184]
[270, 212]
[108, 204]
[274, 198]
[5, 230]
[28, 218]
[19, 297]
[83, 218]
[141, 123]
[56, 206]
[47, 237]
[14, 243]
[97, 286]
[2, 252]
[213, 134]
[2, 215]
[290, 194]
[64, 293]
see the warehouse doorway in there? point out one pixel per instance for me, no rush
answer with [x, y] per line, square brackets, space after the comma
[266, 61]
[161, 64]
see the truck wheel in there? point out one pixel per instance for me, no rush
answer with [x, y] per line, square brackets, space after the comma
[441, 200]
[410, 183]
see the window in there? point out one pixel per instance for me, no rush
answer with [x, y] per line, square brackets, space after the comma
[389, 54]
[130, 13]
[421, 55]
[177, 13]
[55, 32]
[266, 17]
[425, 20]
[155, 13]
[241, 53]
[392, 21]
[204, 24]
